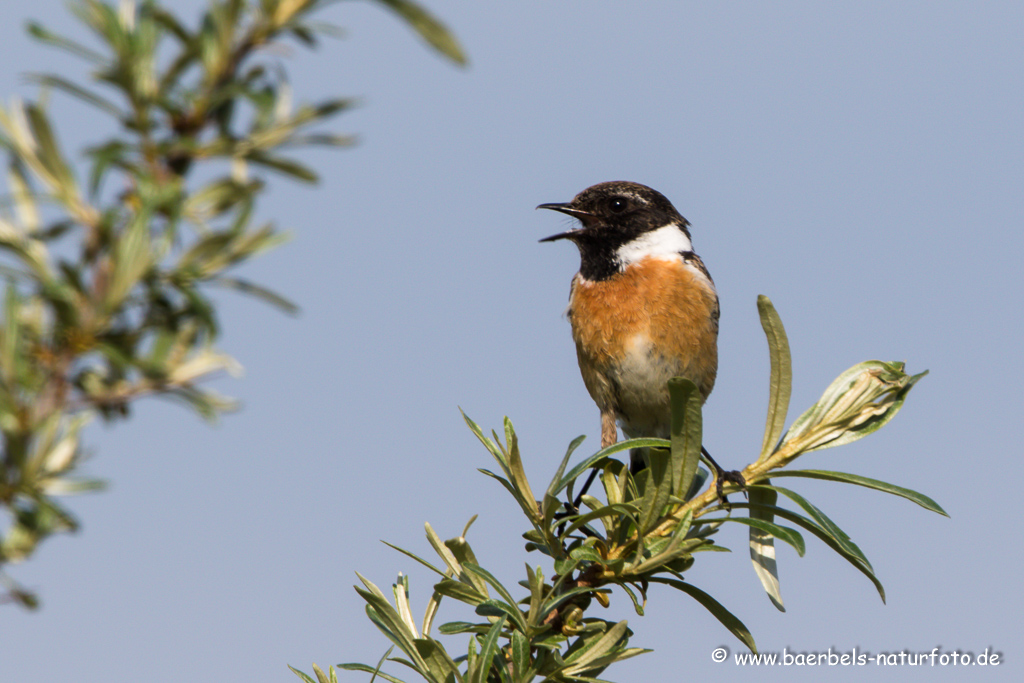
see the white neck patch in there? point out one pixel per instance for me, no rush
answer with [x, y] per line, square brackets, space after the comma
[667, 242]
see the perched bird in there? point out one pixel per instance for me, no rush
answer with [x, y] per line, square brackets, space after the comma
[643, 307]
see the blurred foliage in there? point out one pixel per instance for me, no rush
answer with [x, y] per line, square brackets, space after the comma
[107, 275]
[647, 529]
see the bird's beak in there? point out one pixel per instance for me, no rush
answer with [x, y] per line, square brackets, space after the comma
[569, 211]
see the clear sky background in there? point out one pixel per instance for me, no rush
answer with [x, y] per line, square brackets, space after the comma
[860, 163]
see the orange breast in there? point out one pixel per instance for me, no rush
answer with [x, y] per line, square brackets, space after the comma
[637, 329]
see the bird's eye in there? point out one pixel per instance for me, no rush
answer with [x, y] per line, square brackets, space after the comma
[617, 204]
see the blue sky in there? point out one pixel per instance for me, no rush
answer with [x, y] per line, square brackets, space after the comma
[860, 163]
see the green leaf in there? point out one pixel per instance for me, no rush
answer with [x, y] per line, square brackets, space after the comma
[258, 291]
[113, 153]
[586, 658]
[488, 649]
[389, 621]
[727, 618]
[858, 402]
[520, 657]
[586, 553]
[558, 600]
[790, 536]
[78, 92]
[400, 589]
[324, 678]
[553, 488]
[821, 519]
[529, 507]
[437, 661]
[638, 605]
[429, 28]
[463, 592]
[304, 677]
[218, 197]
[380, 663]
[517, 474]
[47, 151]
[656, 484]
[687, 433]
[44, 35]
[10, 353]
[535, 582]
[781, 382]
[490, 445]
[582, 467]
[857, 561]
[353, 666]
[845, 478]
[464, 554]
[455, 627]
[762, 544]
[496, 608]
[501, 590]
[132, 259]
[288, 167]
[433, 604]
[665, 550]
[612, 510]
[451, 560]
[23, 197]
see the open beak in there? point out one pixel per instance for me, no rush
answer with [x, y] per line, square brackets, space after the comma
[569, 211]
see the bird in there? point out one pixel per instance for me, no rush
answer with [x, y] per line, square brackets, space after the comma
[643, 308]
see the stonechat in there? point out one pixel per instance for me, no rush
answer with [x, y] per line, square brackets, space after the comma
[643, 307]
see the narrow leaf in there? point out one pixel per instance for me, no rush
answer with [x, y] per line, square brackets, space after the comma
[490, 445]
[727, 618]
[687, 433]
[458, 590]
[387, 619]
[285, 166]
[843, 477]
[783, 533]
[451, 557]
[303, 676]
[438, 663]
[582, 467]
[762, 545]
[822, 520]
[455, 627]
[520, 657]
[529, 507]
[553, 488]
[78, 92]
[781, 381]
[578, 661]
[44, 35]
[857, 561]
[488, 648]
[517, 473]
[352, 666]
[429, 28]
[48, 152]
[603, 511]
[501, 590]
[656, 484]
[258, 291]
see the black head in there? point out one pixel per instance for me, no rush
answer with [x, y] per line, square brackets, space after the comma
[611, 215]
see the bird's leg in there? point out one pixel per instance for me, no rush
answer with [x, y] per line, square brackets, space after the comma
[608, 437]
[608, 434]
[721, 476]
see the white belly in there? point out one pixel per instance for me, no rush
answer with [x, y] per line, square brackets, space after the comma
[641, 383]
